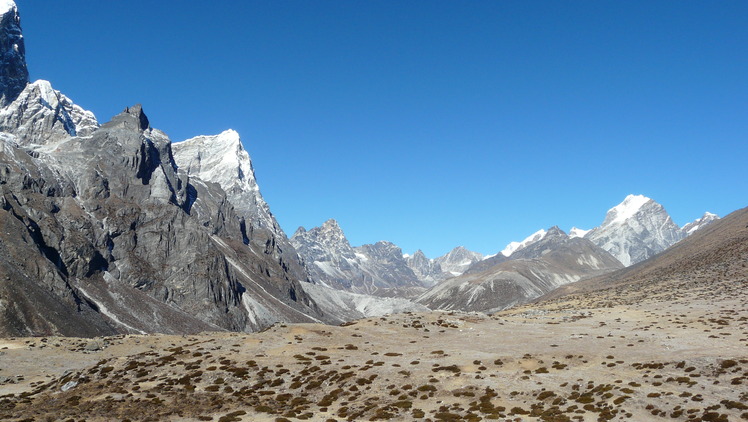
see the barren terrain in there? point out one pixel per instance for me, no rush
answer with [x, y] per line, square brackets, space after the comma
[682, 355]
[666, 340]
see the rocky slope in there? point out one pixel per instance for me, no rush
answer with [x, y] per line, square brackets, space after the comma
[222, 159]
[532, 271]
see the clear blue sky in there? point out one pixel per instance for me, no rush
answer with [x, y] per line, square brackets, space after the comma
[431, 124]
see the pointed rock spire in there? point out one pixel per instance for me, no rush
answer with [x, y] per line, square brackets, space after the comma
[13, 72]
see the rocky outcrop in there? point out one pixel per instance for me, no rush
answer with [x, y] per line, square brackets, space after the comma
[13, 72]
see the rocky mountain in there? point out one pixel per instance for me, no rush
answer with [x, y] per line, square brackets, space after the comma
[222, 159]
[711, 258]
[379, 269]
[698, 224]
[427, 270]
[456, 261]
[538, 268]
[635, 230]
[103, 233]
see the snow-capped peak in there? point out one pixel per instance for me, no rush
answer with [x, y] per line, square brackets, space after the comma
[577, 232]
[636, 229]
[222, 159]
[7, 5]
[515, 246]
[627, 209]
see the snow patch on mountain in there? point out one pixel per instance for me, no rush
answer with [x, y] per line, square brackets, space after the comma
[700, 223]
[515, 246]
[577, 232]
[6, 6]
[627, 209]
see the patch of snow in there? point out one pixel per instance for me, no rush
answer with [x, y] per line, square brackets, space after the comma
[6, 6]
[577, 232]
[515, 246]
[628, 208]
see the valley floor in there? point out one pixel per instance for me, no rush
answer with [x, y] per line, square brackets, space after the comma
[630, 352]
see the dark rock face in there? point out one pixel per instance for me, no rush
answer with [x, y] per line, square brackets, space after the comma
[13, 72]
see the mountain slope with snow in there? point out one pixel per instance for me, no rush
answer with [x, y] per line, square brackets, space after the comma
[698, 224]
[635, 230]
[541, 266]
[377, 269]
[456, 261]
[515, 246]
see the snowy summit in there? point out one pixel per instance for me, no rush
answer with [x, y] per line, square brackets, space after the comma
[515, 246]
[628, 208]
[7, 5]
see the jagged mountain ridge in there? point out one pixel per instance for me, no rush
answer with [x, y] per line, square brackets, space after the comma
[632, 231]
[538, 268]
[698, 224]
[379, 269]
[104, 229]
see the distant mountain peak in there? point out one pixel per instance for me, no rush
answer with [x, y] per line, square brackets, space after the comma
[626, 209]
[700, 223]
[515, 246]
[331, 224]
[635, 230]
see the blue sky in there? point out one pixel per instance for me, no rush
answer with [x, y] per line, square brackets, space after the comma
[431, 124]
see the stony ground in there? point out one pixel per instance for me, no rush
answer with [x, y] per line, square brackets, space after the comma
[671, 350]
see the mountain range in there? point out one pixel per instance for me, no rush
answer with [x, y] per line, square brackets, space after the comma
[113, 228]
